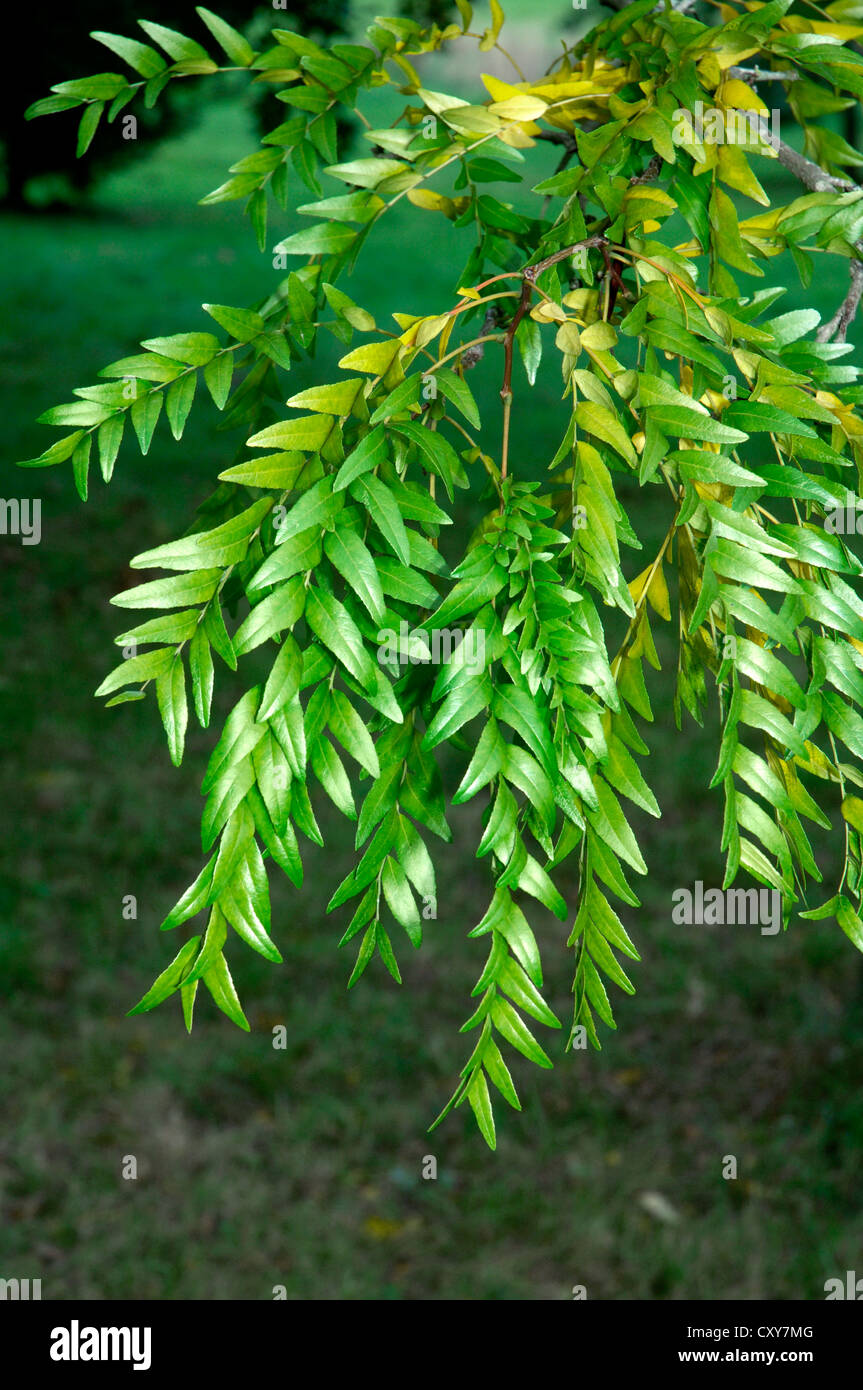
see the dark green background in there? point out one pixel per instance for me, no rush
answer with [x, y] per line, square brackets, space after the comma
[259, 1167]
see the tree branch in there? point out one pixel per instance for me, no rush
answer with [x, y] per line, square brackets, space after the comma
[650, 171]
[557, 137]
[679, 6]
[809, 173]
[752, 75]
[529, 277]
[838, 326]
[475, 354]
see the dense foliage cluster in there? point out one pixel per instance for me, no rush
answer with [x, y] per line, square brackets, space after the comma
[679, 372]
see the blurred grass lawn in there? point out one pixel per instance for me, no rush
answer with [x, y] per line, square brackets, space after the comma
[302, 1167]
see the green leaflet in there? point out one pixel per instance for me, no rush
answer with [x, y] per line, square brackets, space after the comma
[760, 713]
[384, 512]
[246, 904]
[467, 596]
[436, 453]
[137, 668]
[224, 545]
[763, 668]
[178, 403]
[610, 824]
[752, 416]
[308, 433]
[512, 1027]
[368, 454]
[625, 776]
[176, 45]
[280, 610]
[713, 468]
[456, 390]
[194, 349]
[505, 917]
[238, 49]
[170, 979]
[347, 553]
[286, 723]
[379, 800]
[240, 734]
[173, 707]
[514, 707]
[339, 398]
[175, 592]
[280, 471]
[352, 207]
[485, 764]
[330, 621]
[400, 900]
[294, 555]
[284, 679]
[221, 986]
[327, 238]
[677, 420]
[406, 585]
[202, 674]
[415, 859]
[459, 707]
[352, 734]
[145, 416]
[524, 772]
[242, 324]
[600, 421]
[173, 627]
[316, 508]
[140, 56]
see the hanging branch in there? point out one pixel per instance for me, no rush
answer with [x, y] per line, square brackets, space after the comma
[529, 278]
[812, 175]
[752, 75]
